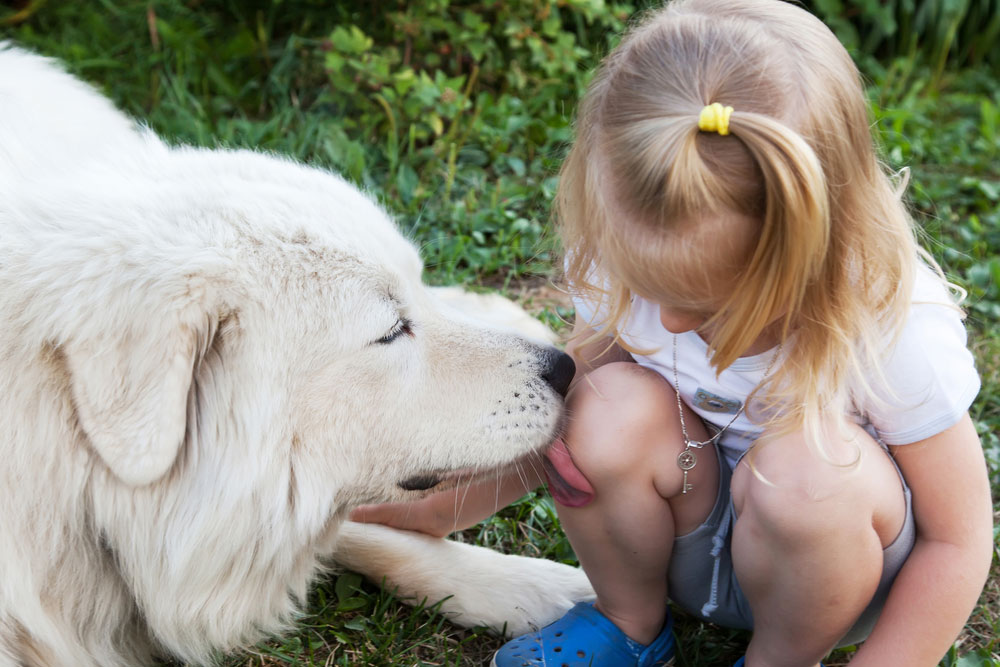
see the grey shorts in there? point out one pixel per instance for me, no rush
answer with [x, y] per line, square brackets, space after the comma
[703, 583]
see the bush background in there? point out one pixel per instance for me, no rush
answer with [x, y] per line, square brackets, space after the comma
[456, 115]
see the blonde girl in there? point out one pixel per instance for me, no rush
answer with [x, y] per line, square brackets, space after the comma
[769, 422]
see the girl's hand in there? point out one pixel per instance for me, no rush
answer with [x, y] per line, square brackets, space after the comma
[426, 515]
[440, 514]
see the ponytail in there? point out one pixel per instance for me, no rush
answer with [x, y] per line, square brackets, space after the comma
[794, 237]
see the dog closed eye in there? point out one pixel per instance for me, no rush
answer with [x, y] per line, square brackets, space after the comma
[400, 328]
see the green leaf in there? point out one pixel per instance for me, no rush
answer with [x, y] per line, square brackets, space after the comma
[348, 584]
[406, 182]
[352, 604]
[990, 189]
[995, 271]
[350, 40]
[359, 623]
[973, 660]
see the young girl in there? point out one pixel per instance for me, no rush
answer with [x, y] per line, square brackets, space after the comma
[769, 421]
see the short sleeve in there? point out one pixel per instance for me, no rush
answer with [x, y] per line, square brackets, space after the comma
[930, 374]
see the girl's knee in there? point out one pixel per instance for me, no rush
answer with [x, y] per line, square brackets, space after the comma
[790, 489]
[617, 414]
[620, 395]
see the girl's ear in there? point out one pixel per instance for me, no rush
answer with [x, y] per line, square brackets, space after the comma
[130, 390]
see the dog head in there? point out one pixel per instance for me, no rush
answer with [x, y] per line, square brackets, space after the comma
[272, 313]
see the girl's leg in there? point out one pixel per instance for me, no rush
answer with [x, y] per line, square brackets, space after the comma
[624, 435]
[807, 546]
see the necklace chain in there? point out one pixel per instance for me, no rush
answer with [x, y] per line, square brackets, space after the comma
[687, 459]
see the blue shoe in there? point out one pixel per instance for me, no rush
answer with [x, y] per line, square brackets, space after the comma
[739, 663]
[584, 637]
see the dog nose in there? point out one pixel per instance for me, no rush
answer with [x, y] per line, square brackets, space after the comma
[559, 371]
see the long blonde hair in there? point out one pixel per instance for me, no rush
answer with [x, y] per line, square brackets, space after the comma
[832, 256]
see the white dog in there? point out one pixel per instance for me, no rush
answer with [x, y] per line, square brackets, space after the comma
[206, 359]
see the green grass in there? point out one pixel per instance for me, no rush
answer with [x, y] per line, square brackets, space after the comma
[458, 125]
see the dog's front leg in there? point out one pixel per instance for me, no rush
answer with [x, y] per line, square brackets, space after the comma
[479, 586]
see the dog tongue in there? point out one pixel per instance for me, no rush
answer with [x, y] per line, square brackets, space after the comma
[566, 483]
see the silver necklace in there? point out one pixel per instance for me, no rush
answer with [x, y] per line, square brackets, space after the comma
[687, 459]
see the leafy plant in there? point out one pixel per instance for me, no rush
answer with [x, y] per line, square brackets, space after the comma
[465, 101]
[962, 32]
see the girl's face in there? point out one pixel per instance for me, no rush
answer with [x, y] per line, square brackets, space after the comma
[708, 258]
[708, 255]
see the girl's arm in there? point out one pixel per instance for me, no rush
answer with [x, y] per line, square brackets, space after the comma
[940, 582]
[466, 505]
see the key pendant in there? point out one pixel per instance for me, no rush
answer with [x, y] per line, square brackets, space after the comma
[686, 460]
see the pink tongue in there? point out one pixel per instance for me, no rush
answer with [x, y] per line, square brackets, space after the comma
[566, 483]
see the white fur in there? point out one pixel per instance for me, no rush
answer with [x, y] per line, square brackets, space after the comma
[192, 394]
[513, 594]
[495, 310]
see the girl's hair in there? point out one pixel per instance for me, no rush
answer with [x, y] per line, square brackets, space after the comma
[824, 246]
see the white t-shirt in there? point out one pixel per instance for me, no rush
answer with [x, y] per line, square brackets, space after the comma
[930, 369]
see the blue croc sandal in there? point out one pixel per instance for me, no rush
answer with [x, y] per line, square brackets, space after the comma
[739, 663]
[584, 637]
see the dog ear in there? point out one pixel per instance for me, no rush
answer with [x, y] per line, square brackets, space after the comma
[131, 394]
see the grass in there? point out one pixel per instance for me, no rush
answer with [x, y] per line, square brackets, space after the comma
[473, 188]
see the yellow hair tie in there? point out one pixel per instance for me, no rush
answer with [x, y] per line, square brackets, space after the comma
[715, 118]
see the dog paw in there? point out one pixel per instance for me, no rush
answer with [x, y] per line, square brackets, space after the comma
[536, 593]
